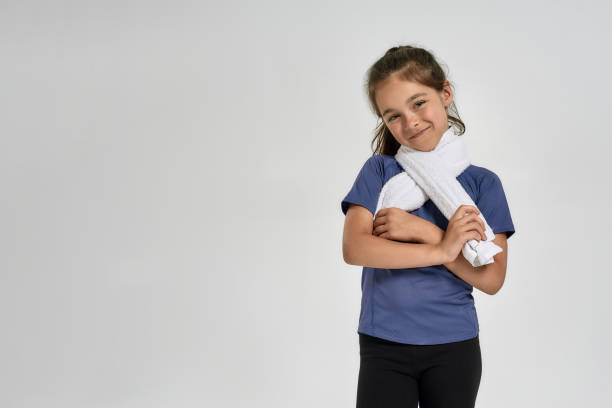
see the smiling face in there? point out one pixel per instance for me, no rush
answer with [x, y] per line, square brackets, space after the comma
[415, 114]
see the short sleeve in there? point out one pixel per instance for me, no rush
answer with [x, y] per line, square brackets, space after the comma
[367, 186]
[493, 205]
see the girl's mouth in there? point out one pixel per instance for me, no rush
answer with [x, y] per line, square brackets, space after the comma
[419, 134]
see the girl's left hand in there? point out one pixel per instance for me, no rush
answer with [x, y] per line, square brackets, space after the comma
[399, 225]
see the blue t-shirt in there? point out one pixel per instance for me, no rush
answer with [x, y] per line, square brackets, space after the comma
[428, 305]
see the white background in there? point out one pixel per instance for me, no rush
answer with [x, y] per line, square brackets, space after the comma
[172, 175]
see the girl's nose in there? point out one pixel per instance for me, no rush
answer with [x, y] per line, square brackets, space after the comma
[411, 122]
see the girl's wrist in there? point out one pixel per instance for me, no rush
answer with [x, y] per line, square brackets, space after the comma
[435, 235]
[440, 254]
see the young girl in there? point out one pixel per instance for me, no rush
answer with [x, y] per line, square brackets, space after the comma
[418, 327]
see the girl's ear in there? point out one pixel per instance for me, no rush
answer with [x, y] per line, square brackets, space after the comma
[447, 94]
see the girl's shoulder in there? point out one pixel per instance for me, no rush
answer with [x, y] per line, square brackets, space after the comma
[382, 167]
[479, 173]
[389, 167]
[380, 159]
[483, 179]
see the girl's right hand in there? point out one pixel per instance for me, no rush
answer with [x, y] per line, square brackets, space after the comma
[463, 226]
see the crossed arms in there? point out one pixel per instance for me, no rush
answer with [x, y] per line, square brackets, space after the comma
[360, 246]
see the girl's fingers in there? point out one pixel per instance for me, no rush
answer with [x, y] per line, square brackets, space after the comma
[380, 229]
[465, 210]
[475, 227]
[482, 236]
[484, 229]
[480, 225]
[379, 220]
[468, 209]
[470, 234]
[469, 218]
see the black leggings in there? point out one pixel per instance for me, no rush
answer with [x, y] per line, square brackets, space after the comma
[434, 376]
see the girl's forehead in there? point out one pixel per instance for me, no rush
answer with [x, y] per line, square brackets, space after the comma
[391, 91]
[395, 82]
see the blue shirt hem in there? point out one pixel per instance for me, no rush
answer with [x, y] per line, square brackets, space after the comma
[427, 341]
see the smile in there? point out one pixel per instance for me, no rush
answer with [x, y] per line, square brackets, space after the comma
[419, 134]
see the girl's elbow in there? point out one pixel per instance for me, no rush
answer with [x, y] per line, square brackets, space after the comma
[494, 288]
[347, 254]
[351, 248]
[495, 274]
[346, 257]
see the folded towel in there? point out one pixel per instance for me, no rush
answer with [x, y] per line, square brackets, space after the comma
[434, 175]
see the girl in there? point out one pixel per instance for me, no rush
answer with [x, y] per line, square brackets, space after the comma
[418, 327]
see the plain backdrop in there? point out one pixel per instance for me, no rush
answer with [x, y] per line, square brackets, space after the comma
[172, 173]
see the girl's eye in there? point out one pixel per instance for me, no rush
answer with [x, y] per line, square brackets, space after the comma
[417, 104]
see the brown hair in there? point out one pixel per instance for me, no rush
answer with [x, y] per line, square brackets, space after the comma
[412, 64]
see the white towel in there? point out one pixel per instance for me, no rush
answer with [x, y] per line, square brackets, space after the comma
[434, 175]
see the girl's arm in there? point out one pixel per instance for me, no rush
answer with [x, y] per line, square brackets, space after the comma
[487, 278]
[360, 247]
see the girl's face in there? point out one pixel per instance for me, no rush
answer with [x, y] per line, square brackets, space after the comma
[415, 114]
